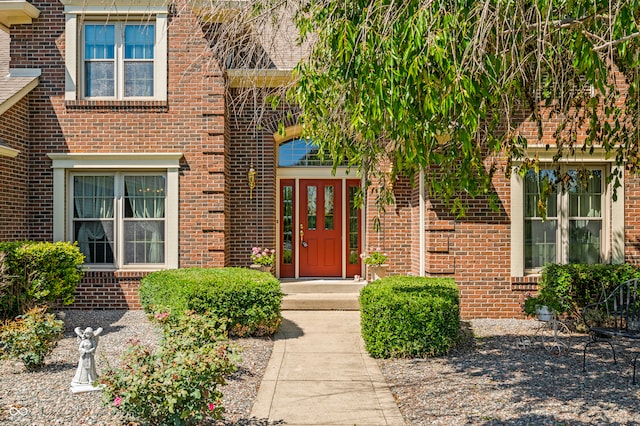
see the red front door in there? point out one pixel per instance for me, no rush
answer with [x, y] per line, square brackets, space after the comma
[320, 228]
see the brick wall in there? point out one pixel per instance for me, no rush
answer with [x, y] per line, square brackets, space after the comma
[252, 215]
[14, 190]
[397, 232]
[632, 219]
[192, 121]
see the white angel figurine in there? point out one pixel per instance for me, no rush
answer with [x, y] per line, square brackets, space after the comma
[86, 373]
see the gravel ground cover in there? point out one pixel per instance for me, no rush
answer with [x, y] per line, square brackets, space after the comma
[495, 379]
[502, 376]
[43, 397]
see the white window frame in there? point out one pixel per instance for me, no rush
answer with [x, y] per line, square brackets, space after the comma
[90, 11]
[612, 244]
[65, 166]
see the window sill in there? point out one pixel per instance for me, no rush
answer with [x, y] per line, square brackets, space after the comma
[525, 284]
[118, 105]
[123, 272]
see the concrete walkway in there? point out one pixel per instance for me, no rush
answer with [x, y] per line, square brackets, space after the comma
[320, 374]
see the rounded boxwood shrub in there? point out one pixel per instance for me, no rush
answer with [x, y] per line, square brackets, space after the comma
[37, 273]
[248, 300]
[409, 316]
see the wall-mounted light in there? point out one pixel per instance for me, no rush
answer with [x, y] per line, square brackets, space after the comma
[251, 180]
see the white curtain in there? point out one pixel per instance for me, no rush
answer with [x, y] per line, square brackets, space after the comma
[146, 200]
[93, 198]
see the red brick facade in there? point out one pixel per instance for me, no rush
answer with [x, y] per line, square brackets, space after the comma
[14, 188]
[219, 220]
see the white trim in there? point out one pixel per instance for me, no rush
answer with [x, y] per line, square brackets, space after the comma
[74, 49]
[71, 56]
[6, 151]
[617, 222]
[172, 217]
[343, 232]
[25, 72]
[517, 224]
[243, 78]
[59, 195]
[613, 219]
[17, 12]
[168, 163]
[422, 232]
[315, 173]
[142, 160]
[296, 230]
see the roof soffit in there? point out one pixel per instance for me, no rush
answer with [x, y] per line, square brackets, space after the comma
[17, 12]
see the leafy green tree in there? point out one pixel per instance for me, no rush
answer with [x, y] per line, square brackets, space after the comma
[444, 85]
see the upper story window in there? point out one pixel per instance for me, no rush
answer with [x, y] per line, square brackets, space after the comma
[118, 60]
[118, 54]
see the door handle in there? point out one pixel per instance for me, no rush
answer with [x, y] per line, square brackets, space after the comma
[302, 241]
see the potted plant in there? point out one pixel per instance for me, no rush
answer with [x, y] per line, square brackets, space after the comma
[375, 261]
[263, 258]
[539, 307]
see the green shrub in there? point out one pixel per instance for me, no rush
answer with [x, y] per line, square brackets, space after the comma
[37, 273]
[409, 316]
[567, 289]
[248, 300]
[178, 383]
[30, 337]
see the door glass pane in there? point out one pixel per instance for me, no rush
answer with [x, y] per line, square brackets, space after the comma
[312, 214]
[93, 198]
[539, 242]
[328, 208]
[584, 241]
[287, 225]
[354, 237]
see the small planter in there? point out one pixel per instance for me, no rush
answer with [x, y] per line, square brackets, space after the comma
[262, 268]
[378, 271]
[543, 313]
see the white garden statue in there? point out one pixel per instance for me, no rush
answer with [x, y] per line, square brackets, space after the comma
[86, 373]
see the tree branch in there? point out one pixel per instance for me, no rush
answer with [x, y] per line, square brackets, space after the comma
[616, 42]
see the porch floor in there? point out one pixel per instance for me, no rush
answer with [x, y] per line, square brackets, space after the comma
[321, 294]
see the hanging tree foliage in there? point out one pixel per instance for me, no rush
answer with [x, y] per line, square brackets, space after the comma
[446, 85]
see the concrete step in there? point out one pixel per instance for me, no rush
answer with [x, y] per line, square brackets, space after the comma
[312, 295]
